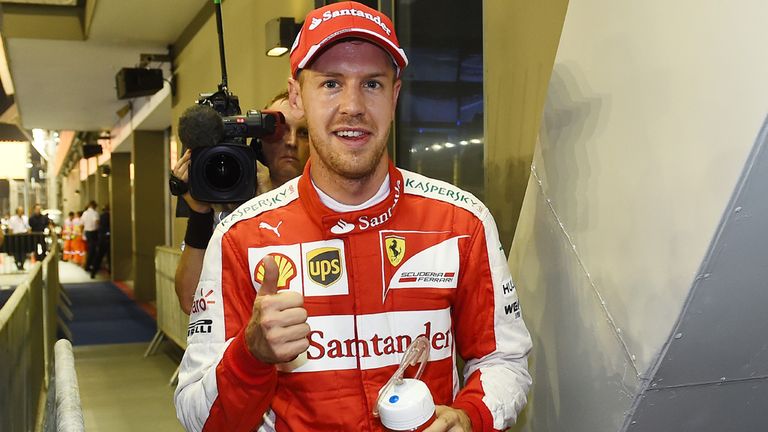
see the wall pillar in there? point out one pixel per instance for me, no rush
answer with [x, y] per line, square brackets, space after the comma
[92, 192]
[121, 223]
[519, 45]
[102, 189]
[148, 209]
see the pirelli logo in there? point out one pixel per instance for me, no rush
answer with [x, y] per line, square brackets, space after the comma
[199, 327]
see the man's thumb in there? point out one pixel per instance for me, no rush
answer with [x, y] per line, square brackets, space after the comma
[269, 282]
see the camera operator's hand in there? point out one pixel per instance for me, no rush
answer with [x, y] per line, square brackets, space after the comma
[181, 170]
[278, 329]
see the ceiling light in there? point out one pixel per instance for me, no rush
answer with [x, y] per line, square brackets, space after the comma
[436, 147]
[450, 145]
[476, 141]
[277, 51]
[280, 33]
[463, 142]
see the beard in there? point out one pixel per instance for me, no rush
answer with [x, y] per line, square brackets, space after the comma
[347, 164]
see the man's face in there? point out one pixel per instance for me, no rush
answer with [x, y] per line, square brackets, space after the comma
[348, 96]
[19, 211]
[37, 210]
[287, 156]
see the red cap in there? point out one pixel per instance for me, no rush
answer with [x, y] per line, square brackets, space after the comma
[342, 20]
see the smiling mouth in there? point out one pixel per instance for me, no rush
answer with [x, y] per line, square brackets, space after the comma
[350, 133]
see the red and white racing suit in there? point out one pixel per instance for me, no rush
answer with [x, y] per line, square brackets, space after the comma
[425, 261]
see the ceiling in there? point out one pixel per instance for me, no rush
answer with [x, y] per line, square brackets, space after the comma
[64, 59]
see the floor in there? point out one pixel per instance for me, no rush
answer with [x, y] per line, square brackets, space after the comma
[120, 390]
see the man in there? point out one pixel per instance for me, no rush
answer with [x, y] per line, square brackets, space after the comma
[18, 224]
[90, 220]
[38, 222]
[104, 245]
[284, 157]
[298, 328]
[67, 233]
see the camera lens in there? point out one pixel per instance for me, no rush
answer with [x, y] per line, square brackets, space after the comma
[223, 171]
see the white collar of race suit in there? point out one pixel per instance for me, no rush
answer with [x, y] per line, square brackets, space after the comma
[336, 206]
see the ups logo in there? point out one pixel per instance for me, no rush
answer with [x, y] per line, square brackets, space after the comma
[324, 265]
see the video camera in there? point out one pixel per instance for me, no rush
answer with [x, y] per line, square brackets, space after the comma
[223, 165]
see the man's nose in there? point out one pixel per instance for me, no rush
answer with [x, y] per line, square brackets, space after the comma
[290, 138]
[352, 102]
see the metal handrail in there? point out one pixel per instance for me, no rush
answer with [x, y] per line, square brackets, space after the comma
[69, 413]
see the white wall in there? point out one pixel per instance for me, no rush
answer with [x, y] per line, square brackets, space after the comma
[651, 112]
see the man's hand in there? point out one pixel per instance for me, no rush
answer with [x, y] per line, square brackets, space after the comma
[278, 329]
[181, 170]
[450, 420]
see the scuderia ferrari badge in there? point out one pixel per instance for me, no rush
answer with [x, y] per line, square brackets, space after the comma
[395, 247]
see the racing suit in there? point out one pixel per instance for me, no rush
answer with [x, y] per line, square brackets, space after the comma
[425, 261]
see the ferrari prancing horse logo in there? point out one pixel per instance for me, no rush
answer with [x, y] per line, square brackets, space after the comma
[395, 247]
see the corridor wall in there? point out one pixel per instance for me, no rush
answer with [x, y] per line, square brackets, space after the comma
[652, 110]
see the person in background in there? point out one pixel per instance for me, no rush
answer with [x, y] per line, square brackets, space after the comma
[66, 235]
[3, 229]
[90, 221]
[19, 224]
[78, 244]
[103, 248]
[298, 328]
[38, 223]
[284, 157]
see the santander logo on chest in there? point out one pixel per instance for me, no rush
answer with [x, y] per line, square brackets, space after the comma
[368, 218]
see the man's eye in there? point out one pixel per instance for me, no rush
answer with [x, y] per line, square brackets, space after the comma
[331, 84]
[302, 132]
[372, 84]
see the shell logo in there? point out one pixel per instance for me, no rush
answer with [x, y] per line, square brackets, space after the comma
[286, 271]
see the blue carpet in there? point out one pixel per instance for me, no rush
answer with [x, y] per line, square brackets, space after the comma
[104, 315]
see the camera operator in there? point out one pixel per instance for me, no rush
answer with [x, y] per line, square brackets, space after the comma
[284, 158]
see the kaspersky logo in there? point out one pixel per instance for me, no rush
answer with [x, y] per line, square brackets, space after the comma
[324, 265]
[329, 15]
[286, 271]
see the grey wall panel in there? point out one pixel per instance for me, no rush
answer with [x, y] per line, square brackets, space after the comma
[721, 335]
[730, 407]
[577, 361]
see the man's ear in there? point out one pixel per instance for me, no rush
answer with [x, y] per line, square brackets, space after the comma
[294, 97]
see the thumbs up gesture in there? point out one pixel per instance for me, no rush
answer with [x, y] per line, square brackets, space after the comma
[278, 329]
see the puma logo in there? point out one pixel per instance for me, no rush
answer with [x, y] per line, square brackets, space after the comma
[274, 229]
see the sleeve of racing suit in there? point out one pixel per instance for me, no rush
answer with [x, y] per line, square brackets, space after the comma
[490, 335]
[222, 387]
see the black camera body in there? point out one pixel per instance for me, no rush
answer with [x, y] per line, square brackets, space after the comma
[223, 165]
